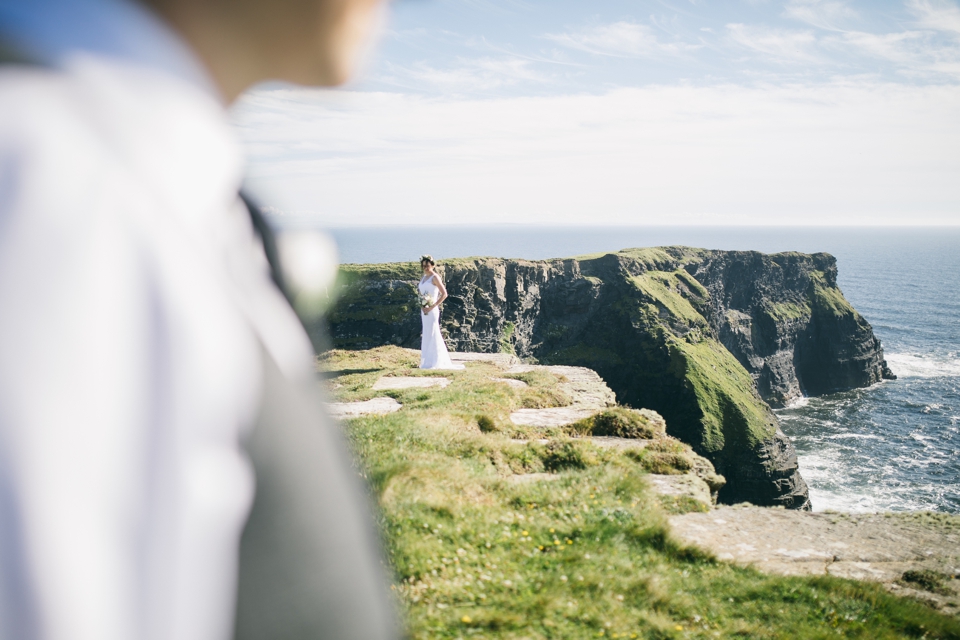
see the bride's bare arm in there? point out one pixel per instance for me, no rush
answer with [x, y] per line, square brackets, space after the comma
[441, 289]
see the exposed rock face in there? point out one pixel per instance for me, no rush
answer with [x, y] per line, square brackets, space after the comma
[699, 336]
[786, 321]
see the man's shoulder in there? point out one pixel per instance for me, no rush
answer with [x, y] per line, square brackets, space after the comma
[41, 109]
[126, 128]
[23, 87]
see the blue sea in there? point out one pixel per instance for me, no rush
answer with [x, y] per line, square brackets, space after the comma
[893, 446]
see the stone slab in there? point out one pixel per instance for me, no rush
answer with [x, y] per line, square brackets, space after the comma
[402, 382]
[379, 406]
[516, 384]
[681, 485]
[874, 547]
[584, 386]
[553, 417]
[500, 359]
[610, 442]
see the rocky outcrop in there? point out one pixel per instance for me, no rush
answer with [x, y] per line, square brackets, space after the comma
[702, 337]
[784, 319]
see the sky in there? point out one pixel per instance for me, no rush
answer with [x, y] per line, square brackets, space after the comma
[615, 112]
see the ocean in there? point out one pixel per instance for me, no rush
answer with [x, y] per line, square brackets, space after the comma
[894, 446]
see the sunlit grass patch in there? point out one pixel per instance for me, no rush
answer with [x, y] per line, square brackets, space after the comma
[493, 538]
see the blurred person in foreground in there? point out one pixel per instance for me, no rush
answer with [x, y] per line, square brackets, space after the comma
[148, 364]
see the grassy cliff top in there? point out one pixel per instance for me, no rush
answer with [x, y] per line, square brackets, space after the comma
[663, 258]
[498, 531]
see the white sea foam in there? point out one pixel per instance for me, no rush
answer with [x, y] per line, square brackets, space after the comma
[913, 365]
[845, 502]
[796, 403]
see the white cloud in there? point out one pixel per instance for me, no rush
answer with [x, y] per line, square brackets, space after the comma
[901, 47]
[837, 153]
[620, 39]
[939, 15]
[825, 14]
[782, 44]
[913, 54]
[466, 75]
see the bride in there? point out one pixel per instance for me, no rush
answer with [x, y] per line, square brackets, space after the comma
[433, 351]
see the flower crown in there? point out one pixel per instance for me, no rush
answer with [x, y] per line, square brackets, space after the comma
[427, 258]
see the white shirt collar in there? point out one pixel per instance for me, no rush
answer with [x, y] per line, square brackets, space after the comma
[54, 31]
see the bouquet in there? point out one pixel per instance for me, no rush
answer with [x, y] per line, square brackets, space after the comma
[426, 300]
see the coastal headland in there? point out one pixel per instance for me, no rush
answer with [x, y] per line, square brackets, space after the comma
[708, 339]
[519, 500]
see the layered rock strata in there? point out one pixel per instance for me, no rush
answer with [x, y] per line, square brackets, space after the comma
[705, 338]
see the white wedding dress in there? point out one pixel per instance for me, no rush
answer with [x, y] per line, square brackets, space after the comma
[433, 351]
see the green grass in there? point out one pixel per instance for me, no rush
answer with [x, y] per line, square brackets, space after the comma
[621, 422]
[787, 311]
[673, 294]
[544, 390]
[926, 579]
[652, 258]
[584, 552]
[733, 413]
[408, 271]
[829, 300]
[506, 345]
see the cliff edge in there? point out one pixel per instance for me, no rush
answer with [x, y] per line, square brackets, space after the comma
[708, 339]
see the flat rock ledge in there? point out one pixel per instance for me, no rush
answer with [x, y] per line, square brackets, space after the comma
[587, 390]
[611, 442]
[510, 382]
[874, 547]
[502, 360]
[686, 485]
[378, 406]
[404, 382]
[588, 393]
[553, 417]
[584, 386]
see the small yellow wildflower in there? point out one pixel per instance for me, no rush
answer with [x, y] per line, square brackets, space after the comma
[465, 619]
[678, 628]
[551, 529]
[526, 533]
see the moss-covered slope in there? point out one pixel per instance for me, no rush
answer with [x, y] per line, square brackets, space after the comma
[706, 338]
